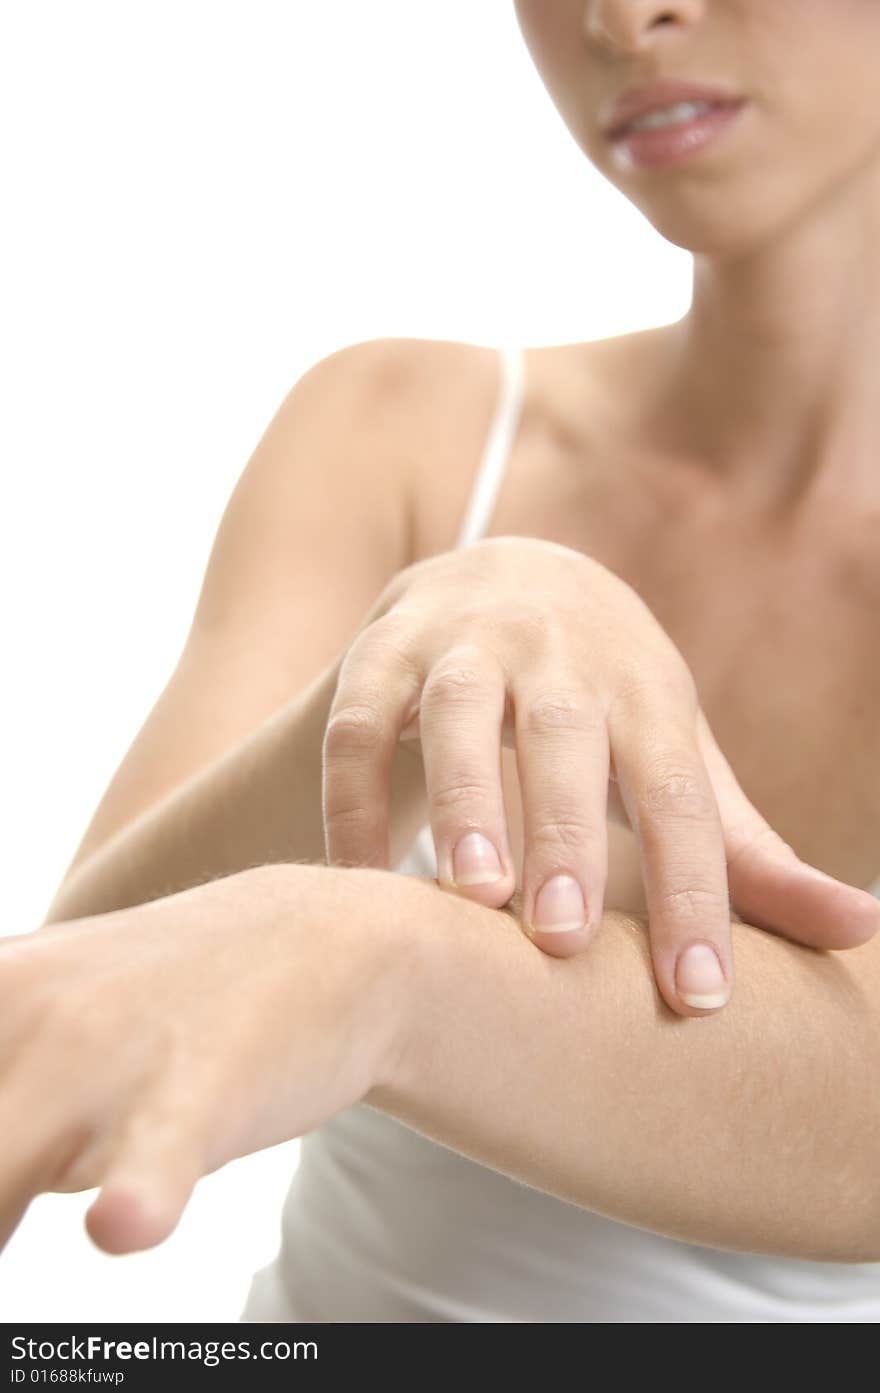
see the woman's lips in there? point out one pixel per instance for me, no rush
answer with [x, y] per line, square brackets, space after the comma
[671, 144]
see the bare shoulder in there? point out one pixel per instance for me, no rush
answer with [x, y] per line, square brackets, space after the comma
[444, 393]
[409, 416]
[435, 400]
[449, 392]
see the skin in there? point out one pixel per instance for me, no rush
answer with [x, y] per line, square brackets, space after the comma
[767, 383]
[770, 378]
[581, 677]
[209, 1071]
[280, 995]
[765, 387]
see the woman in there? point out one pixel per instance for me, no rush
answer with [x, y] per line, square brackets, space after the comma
[667, 553]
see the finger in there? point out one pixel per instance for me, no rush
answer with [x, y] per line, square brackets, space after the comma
[377, 687]
[26, 1156]
[461, 713]
[149, 1180]
[12, 1211]
[16, 1183]
[562, 756]
[672, 810]
[770, 886]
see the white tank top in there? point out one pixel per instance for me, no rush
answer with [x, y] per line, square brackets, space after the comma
[383, 1225]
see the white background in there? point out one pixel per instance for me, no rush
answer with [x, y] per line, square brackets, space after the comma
[200, 199]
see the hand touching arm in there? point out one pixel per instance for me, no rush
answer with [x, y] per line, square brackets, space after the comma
[755, 1129]
[280, 995]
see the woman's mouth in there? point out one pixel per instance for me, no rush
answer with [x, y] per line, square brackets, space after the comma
[668, 131]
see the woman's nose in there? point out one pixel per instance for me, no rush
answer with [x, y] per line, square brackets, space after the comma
[633, 25]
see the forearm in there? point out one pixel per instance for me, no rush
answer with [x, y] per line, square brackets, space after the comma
[757, 1128]
[259, 803]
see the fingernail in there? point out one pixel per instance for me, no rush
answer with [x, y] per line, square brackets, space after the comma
[699, 977]
[475, 861]
[559, 906]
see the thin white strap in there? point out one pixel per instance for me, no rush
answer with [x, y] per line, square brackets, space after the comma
[497, 448]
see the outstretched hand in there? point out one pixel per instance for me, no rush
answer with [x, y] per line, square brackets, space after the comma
[144, 1048]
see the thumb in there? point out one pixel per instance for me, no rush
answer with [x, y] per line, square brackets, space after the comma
[150, 1177]
[769, 885]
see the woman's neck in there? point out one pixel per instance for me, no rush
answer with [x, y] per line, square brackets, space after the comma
[772, 379]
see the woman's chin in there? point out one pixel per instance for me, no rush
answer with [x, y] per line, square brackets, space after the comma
[724, 230]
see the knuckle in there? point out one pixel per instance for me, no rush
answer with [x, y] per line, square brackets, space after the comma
[387, 640]
[460, 791]
[459, 682]
[566, 831]
[694, 904]
[388, 631]
[523, 626]
[354, 730]
[555, 713]
[679, 792]
[347, 819]
[645, 686]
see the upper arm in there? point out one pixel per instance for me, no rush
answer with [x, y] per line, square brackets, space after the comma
[316, 525]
